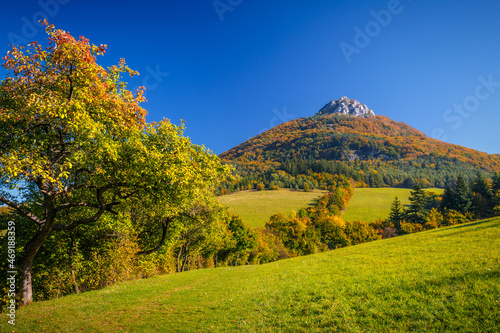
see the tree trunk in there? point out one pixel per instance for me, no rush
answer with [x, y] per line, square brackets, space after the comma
[184, 261]
[236, 261]
[26, 289]
[72, 263]
[26, 262]
[179, 259]
[185, 257]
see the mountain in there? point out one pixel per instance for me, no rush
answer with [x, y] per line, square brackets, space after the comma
[347, 137]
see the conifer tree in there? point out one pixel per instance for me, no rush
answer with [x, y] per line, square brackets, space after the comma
[396, 215]
[483, 202]
[480, 185]
[462, 195]
[417, 213]
[448, 199]
[496, 193]
[496, 182]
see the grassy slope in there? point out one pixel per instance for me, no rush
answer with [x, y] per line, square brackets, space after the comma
[255, 207]
[370, 204]
[441, 280]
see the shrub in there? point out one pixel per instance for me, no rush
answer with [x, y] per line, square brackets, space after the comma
[452, 217]
[410, 228]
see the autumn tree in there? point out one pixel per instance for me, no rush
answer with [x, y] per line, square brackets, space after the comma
[331, 230]
[298, 236]
[199, 232]
[75, 143]
[242, 240]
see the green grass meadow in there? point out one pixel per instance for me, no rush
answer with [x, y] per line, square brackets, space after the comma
[370, 204]
[443, 280]
[255, 207]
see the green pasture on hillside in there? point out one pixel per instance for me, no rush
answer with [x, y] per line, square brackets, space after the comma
[255, 207]
[370, 204]
[444, 280]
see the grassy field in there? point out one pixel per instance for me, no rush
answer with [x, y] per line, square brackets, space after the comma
[370, 204]
[255, 207]
[444, 280]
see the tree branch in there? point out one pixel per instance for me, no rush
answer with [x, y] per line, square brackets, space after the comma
[71, 87]
[165, 224]
[21, 210]
[103, 207]
[75, 224]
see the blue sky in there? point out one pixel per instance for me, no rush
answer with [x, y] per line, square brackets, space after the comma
[233, 68]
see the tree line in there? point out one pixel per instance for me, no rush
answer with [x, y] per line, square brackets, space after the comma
[321, 228]
[317, 174]
[462, 202]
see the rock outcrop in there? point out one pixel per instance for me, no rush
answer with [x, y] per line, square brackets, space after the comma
[348, 106]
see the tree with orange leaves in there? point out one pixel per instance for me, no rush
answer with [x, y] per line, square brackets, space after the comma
[75, 143]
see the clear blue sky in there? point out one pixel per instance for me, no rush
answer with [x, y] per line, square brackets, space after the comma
[237, 67]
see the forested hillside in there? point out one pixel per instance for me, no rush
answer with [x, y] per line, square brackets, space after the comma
[374, 151]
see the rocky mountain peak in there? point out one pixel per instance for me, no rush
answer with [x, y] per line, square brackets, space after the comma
[345, 105]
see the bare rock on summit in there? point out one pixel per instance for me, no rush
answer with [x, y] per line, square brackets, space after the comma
[347, 106]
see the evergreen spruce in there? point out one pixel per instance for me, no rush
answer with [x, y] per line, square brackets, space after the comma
[483, 199]
[448, 199]
[417, 213]
[396, 215]
[496, 194]
[496, 182]
[481, 186]
[463, 196]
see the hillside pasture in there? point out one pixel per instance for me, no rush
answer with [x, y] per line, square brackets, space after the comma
[255, 207]
[370, 204]
[444, 280]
